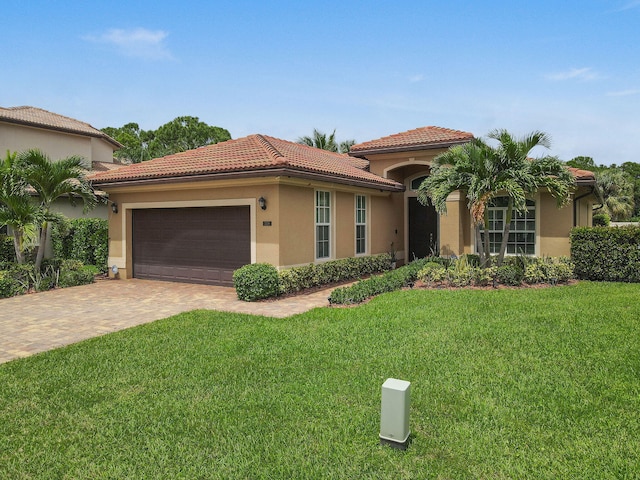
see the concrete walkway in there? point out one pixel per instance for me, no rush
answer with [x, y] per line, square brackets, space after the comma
[43, 321]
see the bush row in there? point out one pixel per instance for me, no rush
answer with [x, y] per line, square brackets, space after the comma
[387, 282]
[261, 280]
[83, 239]
[513, 272]
[18, 279]
[606, 253]
[458, 273]
[7, 251]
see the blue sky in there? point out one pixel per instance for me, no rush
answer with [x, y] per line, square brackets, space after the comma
[365, 68]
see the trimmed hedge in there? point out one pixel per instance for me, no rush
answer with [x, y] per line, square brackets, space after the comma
[606, 253]
[387, 282]
[83, 239]
[256, 281]
[298, 278]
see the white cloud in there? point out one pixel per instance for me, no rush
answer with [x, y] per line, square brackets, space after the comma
[629, 5]
[575, 73]
[623, 93]
[137, 42]
[416, 78]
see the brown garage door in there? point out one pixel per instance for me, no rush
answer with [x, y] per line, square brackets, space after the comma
[199, 245]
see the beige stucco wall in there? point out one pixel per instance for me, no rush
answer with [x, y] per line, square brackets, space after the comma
[455, 227]
[55, 144]
[288, 240]
[554, 227]
[387, 224]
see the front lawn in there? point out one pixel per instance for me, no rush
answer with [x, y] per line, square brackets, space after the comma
[533, 383]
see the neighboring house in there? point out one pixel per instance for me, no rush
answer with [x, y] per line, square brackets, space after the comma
[24, 128]
[196, 216]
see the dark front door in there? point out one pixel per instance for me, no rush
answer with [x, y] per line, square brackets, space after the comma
[197, 245]
[423, 230]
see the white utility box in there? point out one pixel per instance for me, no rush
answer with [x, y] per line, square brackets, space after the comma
[394, 413]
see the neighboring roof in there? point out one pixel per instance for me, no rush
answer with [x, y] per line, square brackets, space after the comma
[417, 139]
[104, 166]
[583, 177]
[254, 155]
[37, 117]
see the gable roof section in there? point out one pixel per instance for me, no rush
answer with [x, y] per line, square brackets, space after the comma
[37, 117]
[254, 155]
[417, 139]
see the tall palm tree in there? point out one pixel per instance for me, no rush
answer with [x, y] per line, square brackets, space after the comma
[51, 181]
[483, 172]
[326, 142]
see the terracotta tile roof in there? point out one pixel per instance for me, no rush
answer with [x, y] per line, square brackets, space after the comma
[104, 166]
[584, 177]
[425, 137]
[255, 154]
[37, 117]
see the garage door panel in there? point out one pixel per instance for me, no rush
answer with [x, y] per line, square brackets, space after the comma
[198, 244]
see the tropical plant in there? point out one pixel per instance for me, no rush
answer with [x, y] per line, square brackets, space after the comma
[52, 181]
[616, 191]
[326, 142]
[483, 172]
[17, 210]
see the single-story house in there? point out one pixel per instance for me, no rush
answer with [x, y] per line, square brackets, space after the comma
[196, 216]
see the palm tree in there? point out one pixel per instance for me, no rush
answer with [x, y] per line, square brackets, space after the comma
[616, 191]
[17, 210]
[483, 172]
[51, 181]
[326, 142]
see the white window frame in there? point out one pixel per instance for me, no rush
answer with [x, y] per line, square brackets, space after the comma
[322, 219]
[361, 223]
[524, 220]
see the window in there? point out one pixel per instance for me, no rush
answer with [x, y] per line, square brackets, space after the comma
[416, 182]
[522, 232]
[361, 224]
[323, 224]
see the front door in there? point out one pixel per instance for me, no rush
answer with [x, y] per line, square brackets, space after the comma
[423, 230]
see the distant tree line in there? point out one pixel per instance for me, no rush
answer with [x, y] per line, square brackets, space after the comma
[618, 186]
[178, 135]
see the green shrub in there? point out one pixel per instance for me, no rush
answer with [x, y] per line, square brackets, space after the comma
[83, 239]
[306, 276]
[432, 272]
[606, 253]
[601, 220]
[472, 259]
[484, 276]
[73, 273]
[7, 251]
[256, 281]
[509, 275]
[9, 286]
[387, 282]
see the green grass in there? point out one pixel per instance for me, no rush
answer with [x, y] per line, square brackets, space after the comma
[536, 383]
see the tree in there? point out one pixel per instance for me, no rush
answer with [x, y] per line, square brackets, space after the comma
[17, 210]
[135, 142]
[184, 133]
[632, 169]
[483, 172]
[326, 142]
[178, 135]
[583, 163]
[51, 181]
[616, 190]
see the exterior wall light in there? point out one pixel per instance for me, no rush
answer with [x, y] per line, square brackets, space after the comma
[263, 203]
[114, 207]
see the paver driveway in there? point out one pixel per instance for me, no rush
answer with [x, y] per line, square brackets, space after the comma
[39, 322]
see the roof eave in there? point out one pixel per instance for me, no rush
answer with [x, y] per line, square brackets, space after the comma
[102, 136]
[267, 172]
[408, 148]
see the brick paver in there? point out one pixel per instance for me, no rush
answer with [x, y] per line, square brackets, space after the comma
[38, 322]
